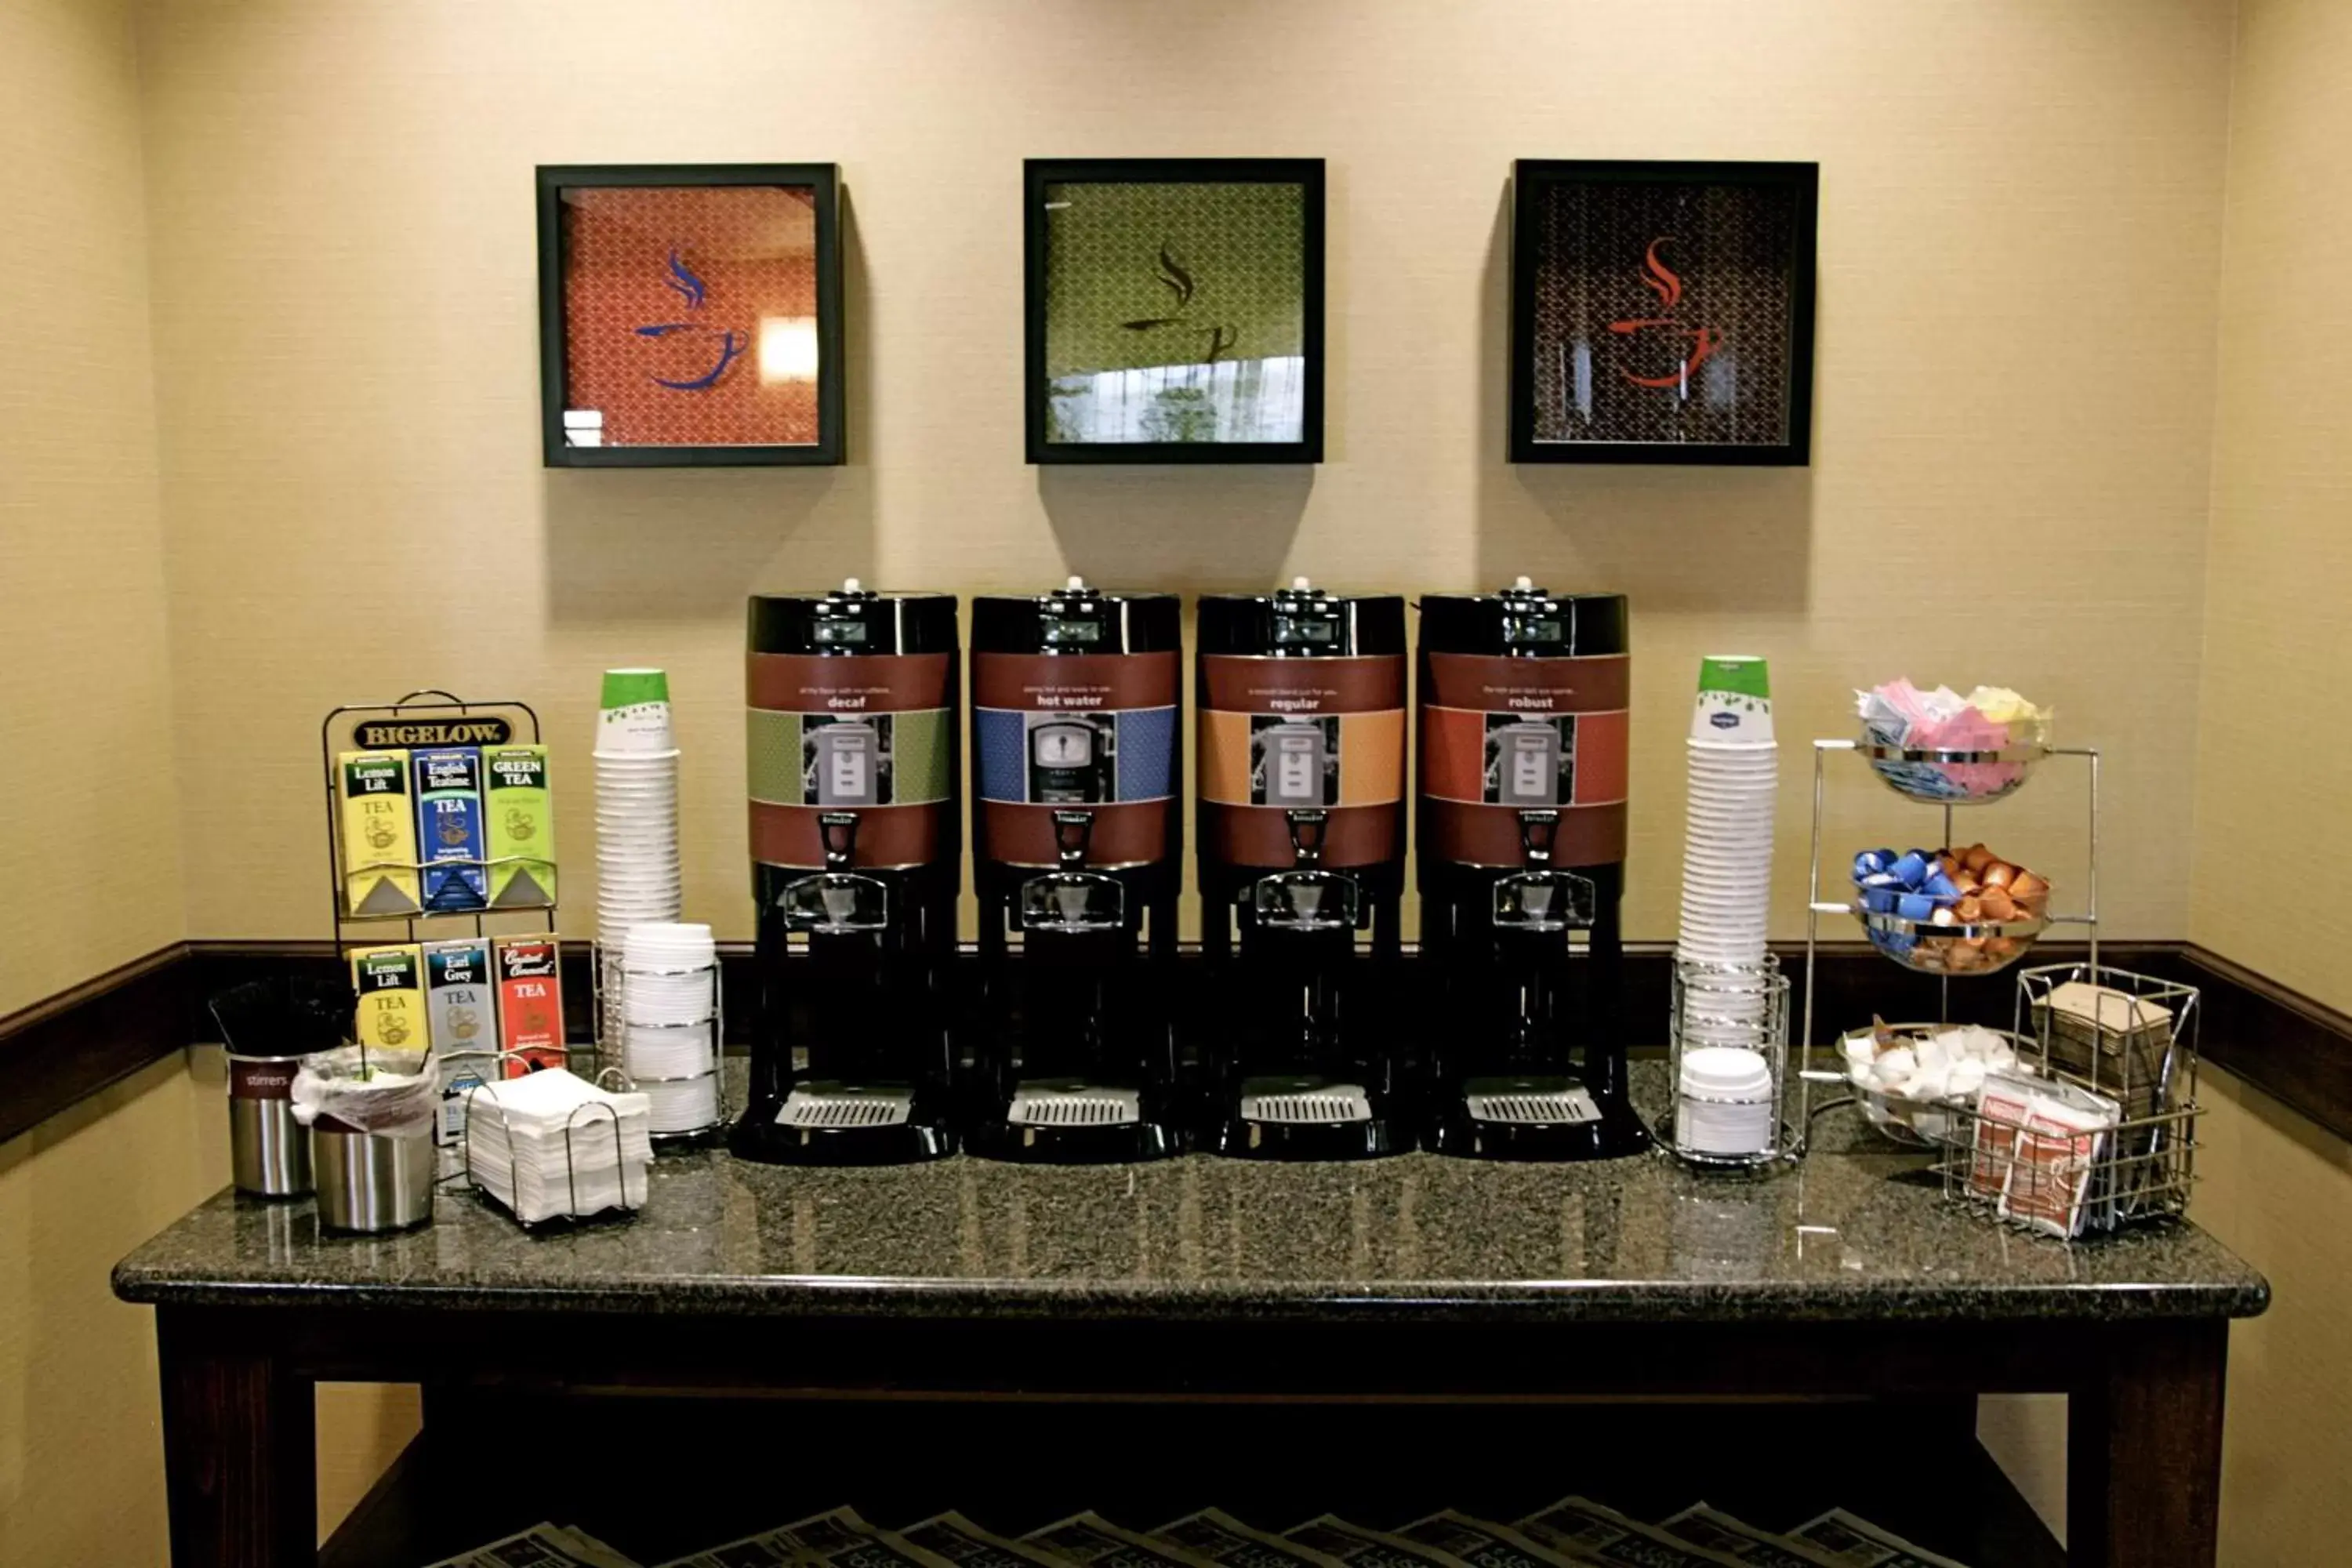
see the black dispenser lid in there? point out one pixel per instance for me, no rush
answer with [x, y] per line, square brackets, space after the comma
[1302, 621]
[1525, 621]
[853, 619]
[1075, 618]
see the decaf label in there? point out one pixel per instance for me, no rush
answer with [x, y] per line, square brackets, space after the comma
[485, 730]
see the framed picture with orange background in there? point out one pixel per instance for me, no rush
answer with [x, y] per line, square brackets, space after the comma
[1661, 312]
[690, 315]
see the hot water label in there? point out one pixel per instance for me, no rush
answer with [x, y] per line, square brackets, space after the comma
[1499, 736]
[449, 828]
[1057, 731]
[873, 734]
[1278, 735]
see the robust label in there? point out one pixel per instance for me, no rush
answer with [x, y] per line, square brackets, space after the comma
[1278, 735]
[872, 735]
[449, 828]
[530, 1002]
[519, 825]
[390, 982]
[1500, 736]
[1070, 731]
[379, 825]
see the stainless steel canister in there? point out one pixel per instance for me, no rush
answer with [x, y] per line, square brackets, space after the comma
[371, 1181]
[269, 1151]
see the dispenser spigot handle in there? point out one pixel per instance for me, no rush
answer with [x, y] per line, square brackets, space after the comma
[1538, 830]
[1307, 837]
[1072, 830]
[839, 830]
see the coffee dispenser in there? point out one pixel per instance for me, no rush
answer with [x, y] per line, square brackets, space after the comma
[855, 848]
[1522, 706]
[1301, 823]
[1077, 839]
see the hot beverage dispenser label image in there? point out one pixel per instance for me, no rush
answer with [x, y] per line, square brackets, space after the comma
[874, 735]
[1059, 730]
[1499, 736]
[1279, 735]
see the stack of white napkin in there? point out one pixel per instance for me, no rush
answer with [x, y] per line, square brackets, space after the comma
[517, 1151]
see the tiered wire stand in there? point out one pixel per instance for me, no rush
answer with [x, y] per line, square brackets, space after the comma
[2140, 1049]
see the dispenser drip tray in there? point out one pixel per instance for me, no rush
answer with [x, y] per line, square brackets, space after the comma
[828, 1105]
[1529, 1101]
[1309, 1101]
[1068, 1102]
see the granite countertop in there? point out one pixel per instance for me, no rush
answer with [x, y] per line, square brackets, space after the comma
[1859, 1230]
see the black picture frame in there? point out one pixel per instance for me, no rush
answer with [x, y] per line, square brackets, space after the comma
[1040, 173]
[829, 448]
[1534, 181]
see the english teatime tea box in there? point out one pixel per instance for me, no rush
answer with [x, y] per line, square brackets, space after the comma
[449, 828]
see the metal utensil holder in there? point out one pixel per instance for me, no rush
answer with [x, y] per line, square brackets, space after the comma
[1744, 1005]
[584, 1121]
[612, 1014]
[2056, 1182]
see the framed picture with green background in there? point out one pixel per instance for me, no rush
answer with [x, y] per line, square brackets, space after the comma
[1174, 309]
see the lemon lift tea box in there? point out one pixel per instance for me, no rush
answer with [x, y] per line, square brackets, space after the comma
[391, 985]
[379, 831]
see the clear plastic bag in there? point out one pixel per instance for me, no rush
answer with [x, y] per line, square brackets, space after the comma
[388, 1093]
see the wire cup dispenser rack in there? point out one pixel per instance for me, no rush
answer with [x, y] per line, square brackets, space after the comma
[585, 1121]
[614, 1027]
[1738, 1121]
[2127, 1038]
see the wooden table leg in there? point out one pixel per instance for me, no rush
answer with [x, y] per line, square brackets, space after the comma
[240, 1459]
[2144, 1447]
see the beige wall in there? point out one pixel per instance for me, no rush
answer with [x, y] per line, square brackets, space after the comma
[2272, 762]
[81, 1447]
[2019, 225]
[89, 868]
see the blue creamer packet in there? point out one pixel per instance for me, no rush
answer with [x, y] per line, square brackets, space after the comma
[449, 843]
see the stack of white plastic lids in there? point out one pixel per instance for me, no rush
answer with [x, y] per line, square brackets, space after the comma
[638, 880]
[1734, 777]
[669, 1048]
[549, 1144]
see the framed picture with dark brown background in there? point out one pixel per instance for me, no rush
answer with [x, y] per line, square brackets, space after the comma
[689, 315]
[1661, 312]
[1174, 309]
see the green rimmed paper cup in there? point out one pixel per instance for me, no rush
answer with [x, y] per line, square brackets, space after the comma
[634, 713]
[1735, 701]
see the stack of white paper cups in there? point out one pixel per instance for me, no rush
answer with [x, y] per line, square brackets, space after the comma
[637, 868]
[670, 986]
[1734, 768]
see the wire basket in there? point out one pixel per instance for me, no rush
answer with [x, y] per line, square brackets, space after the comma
[1730, 1013]
[2107, 1136]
